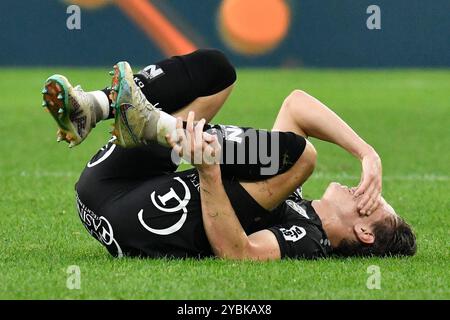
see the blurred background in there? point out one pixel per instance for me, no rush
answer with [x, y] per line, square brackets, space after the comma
[288, 33]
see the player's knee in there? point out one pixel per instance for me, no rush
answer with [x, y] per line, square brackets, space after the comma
[297, 96]
[219, 63]
[296, 150]
[224, 66]
[210, 70]
[294, 99]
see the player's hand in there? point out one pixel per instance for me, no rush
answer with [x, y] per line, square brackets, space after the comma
[369, 188]
[195, 146]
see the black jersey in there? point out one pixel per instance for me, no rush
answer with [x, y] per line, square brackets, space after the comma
[160, 216]
[299, 230]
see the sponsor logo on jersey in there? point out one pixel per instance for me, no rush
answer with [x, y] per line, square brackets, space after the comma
[293, 234]
[160, 202]
[195, 180]
[294, 205]
[325, 242]
[99, 227]
[299, 192]
[152, 72]
[232, 133]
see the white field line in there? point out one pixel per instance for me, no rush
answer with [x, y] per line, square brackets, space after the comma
[432, 177]
[399, 177]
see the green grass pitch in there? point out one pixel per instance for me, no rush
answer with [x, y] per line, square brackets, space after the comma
[405, 115]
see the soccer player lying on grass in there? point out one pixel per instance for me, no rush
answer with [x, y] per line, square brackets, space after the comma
[130, 198]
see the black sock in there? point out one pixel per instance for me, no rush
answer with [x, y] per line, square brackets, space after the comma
[107, 91]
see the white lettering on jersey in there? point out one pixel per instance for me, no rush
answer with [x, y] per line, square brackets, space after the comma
[138, 82]
[99, 227]
[164, 199]
[293, 234]
[297, 208]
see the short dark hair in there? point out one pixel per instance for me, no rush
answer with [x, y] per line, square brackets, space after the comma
[393, 237]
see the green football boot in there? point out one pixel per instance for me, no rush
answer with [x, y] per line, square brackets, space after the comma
[135, 117]
[71, 107]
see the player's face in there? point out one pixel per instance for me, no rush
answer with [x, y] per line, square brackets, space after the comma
[346, 205]
[341, 198]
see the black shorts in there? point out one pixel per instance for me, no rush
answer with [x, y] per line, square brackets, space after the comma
[177, 81]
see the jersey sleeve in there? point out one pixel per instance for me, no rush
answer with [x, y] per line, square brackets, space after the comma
[298, 242]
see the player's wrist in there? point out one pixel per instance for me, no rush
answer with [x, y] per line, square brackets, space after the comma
[211, 171]
[367, 151]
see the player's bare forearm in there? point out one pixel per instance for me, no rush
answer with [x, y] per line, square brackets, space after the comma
[318, 121]
[306, 115]
[223, 229]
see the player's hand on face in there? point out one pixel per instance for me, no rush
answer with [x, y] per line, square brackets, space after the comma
[368, 191]
[195, 146]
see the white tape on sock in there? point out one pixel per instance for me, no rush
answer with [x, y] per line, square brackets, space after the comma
[167, 124]
[102, 102]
